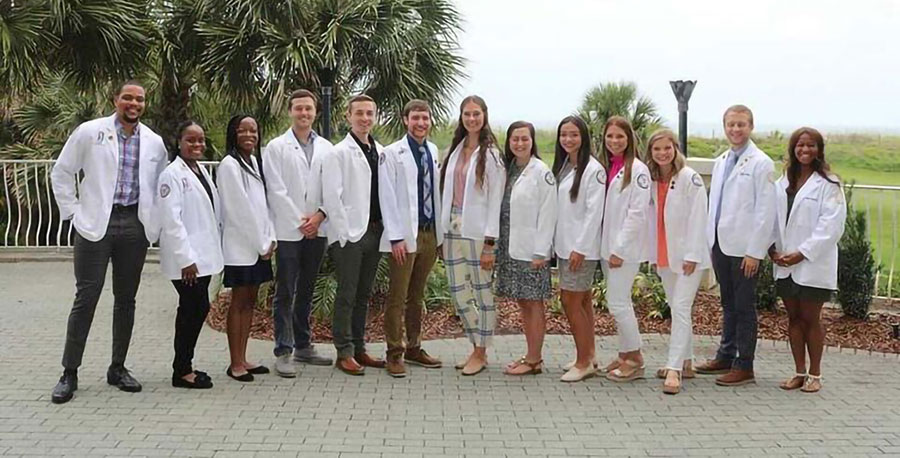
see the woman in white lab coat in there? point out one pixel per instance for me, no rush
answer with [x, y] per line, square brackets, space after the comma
[580, 201]
[623, 242]
[527, 224]
[248, 238]
[677, 226]
[190, 245]
[810, 211]
[472, 179]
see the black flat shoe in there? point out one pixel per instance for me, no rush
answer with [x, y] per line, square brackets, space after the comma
[201, 381]
[258, 370]
[248, 377]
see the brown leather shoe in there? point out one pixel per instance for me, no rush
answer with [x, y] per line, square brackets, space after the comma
[418, 357]
[369, 361]
[350, 366]
[396, 368]
[713, 366]
[735, 378]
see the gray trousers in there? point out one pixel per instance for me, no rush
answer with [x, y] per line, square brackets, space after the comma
[297, 265]
[356, 265]
[739, 321]
[126, 245]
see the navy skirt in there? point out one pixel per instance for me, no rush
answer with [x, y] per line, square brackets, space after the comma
[786, 288]
[260, 272]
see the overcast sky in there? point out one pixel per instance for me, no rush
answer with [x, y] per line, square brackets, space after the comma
[831, 64]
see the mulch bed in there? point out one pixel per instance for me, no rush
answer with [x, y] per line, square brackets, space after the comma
[873, 334]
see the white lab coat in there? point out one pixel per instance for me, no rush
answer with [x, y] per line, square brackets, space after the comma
[398, 192]
[532, 212]
[94, 148]
[191, 224]
[685, 220]
[481, 205]
[346, 182]
[248, 232]
[814, 227]
[625, 219]
[748, 209]
[579, 223]
[288, 177]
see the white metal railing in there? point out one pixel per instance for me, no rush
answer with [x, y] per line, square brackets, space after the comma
[29, 217]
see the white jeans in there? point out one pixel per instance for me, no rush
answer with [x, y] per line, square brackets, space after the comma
[618, 299]
[680, 292]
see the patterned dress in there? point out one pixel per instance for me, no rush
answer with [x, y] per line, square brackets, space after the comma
[517, 279]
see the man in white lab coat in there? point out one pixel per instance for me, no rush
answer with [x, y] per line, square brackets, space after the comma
[121, 160]
[349, 187]
[739, 232]
[407, 189]
[289, 163]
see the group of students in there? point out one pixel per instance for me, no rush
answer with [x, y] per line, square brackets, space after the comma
[495, 218]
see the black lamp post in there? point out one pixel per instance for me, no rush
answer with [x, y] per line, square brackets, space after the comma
[326, 78]
[683, 90]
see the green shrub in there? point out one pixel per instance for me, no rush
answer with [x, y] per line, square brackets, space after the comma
[648, 289]
[856, 264]
[766, 298]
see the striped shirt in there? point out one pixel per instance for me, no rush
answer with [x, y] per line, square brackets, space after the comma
[128, 181]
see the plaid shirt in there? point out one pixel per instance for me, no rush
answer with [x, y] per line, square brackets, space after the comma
[127, 183]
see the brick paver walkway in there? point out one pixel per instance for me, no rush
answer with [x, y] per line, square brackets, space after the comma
[431, 413]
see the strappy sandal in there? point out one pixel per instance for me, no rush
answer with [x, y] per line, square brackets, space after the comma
[813, 384]
[794, 382]
[533, 368]
[672, 389]
[686, 372]
[632, 372]
[613, 365]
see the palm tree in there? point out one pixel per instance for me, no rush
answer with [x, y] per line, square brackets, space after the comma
[619, 99]
[256, 51]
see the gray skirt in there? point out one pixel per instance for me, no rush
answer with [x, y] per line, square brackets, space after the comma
[579, 281]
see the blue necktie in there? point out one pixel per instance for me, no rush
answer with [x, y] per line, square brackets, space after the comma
[427, 209]
[729, 166]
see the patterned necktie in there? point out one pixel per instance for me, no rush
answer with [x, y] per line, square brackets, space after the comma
[427, 209]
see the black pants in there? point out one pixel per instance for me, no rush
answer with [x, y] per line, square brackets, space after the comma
[126, 245]
[298, 266]
[193, 306]
[739, 320]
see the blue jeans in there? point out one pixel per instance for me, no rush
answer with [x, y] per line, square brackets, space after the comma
[297, 266]
[739, 321]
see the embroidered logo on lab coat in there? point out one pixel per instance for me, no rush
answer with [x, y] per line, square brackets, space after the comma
[381, 159]
[185, 185]
[601, 176]
[164, 190]
[643, 181]
[548, 177]
[696, 180]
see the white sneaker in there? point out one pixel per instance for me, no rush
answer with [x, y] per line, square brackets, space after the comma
[285, 367]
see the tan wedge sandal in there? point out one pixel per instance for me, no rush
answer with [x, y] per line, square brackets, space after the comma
[626, 372]
[672, 389]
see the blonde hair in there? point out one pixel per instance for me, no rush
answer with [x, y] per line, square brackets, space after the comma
[677, 162]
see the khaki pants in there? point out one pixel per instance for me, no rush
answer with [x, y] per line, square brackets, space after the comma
[405, 296]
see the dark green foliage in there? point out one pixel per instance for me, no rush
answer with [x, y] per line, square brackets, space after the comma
[766, 298]
[856, 264]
